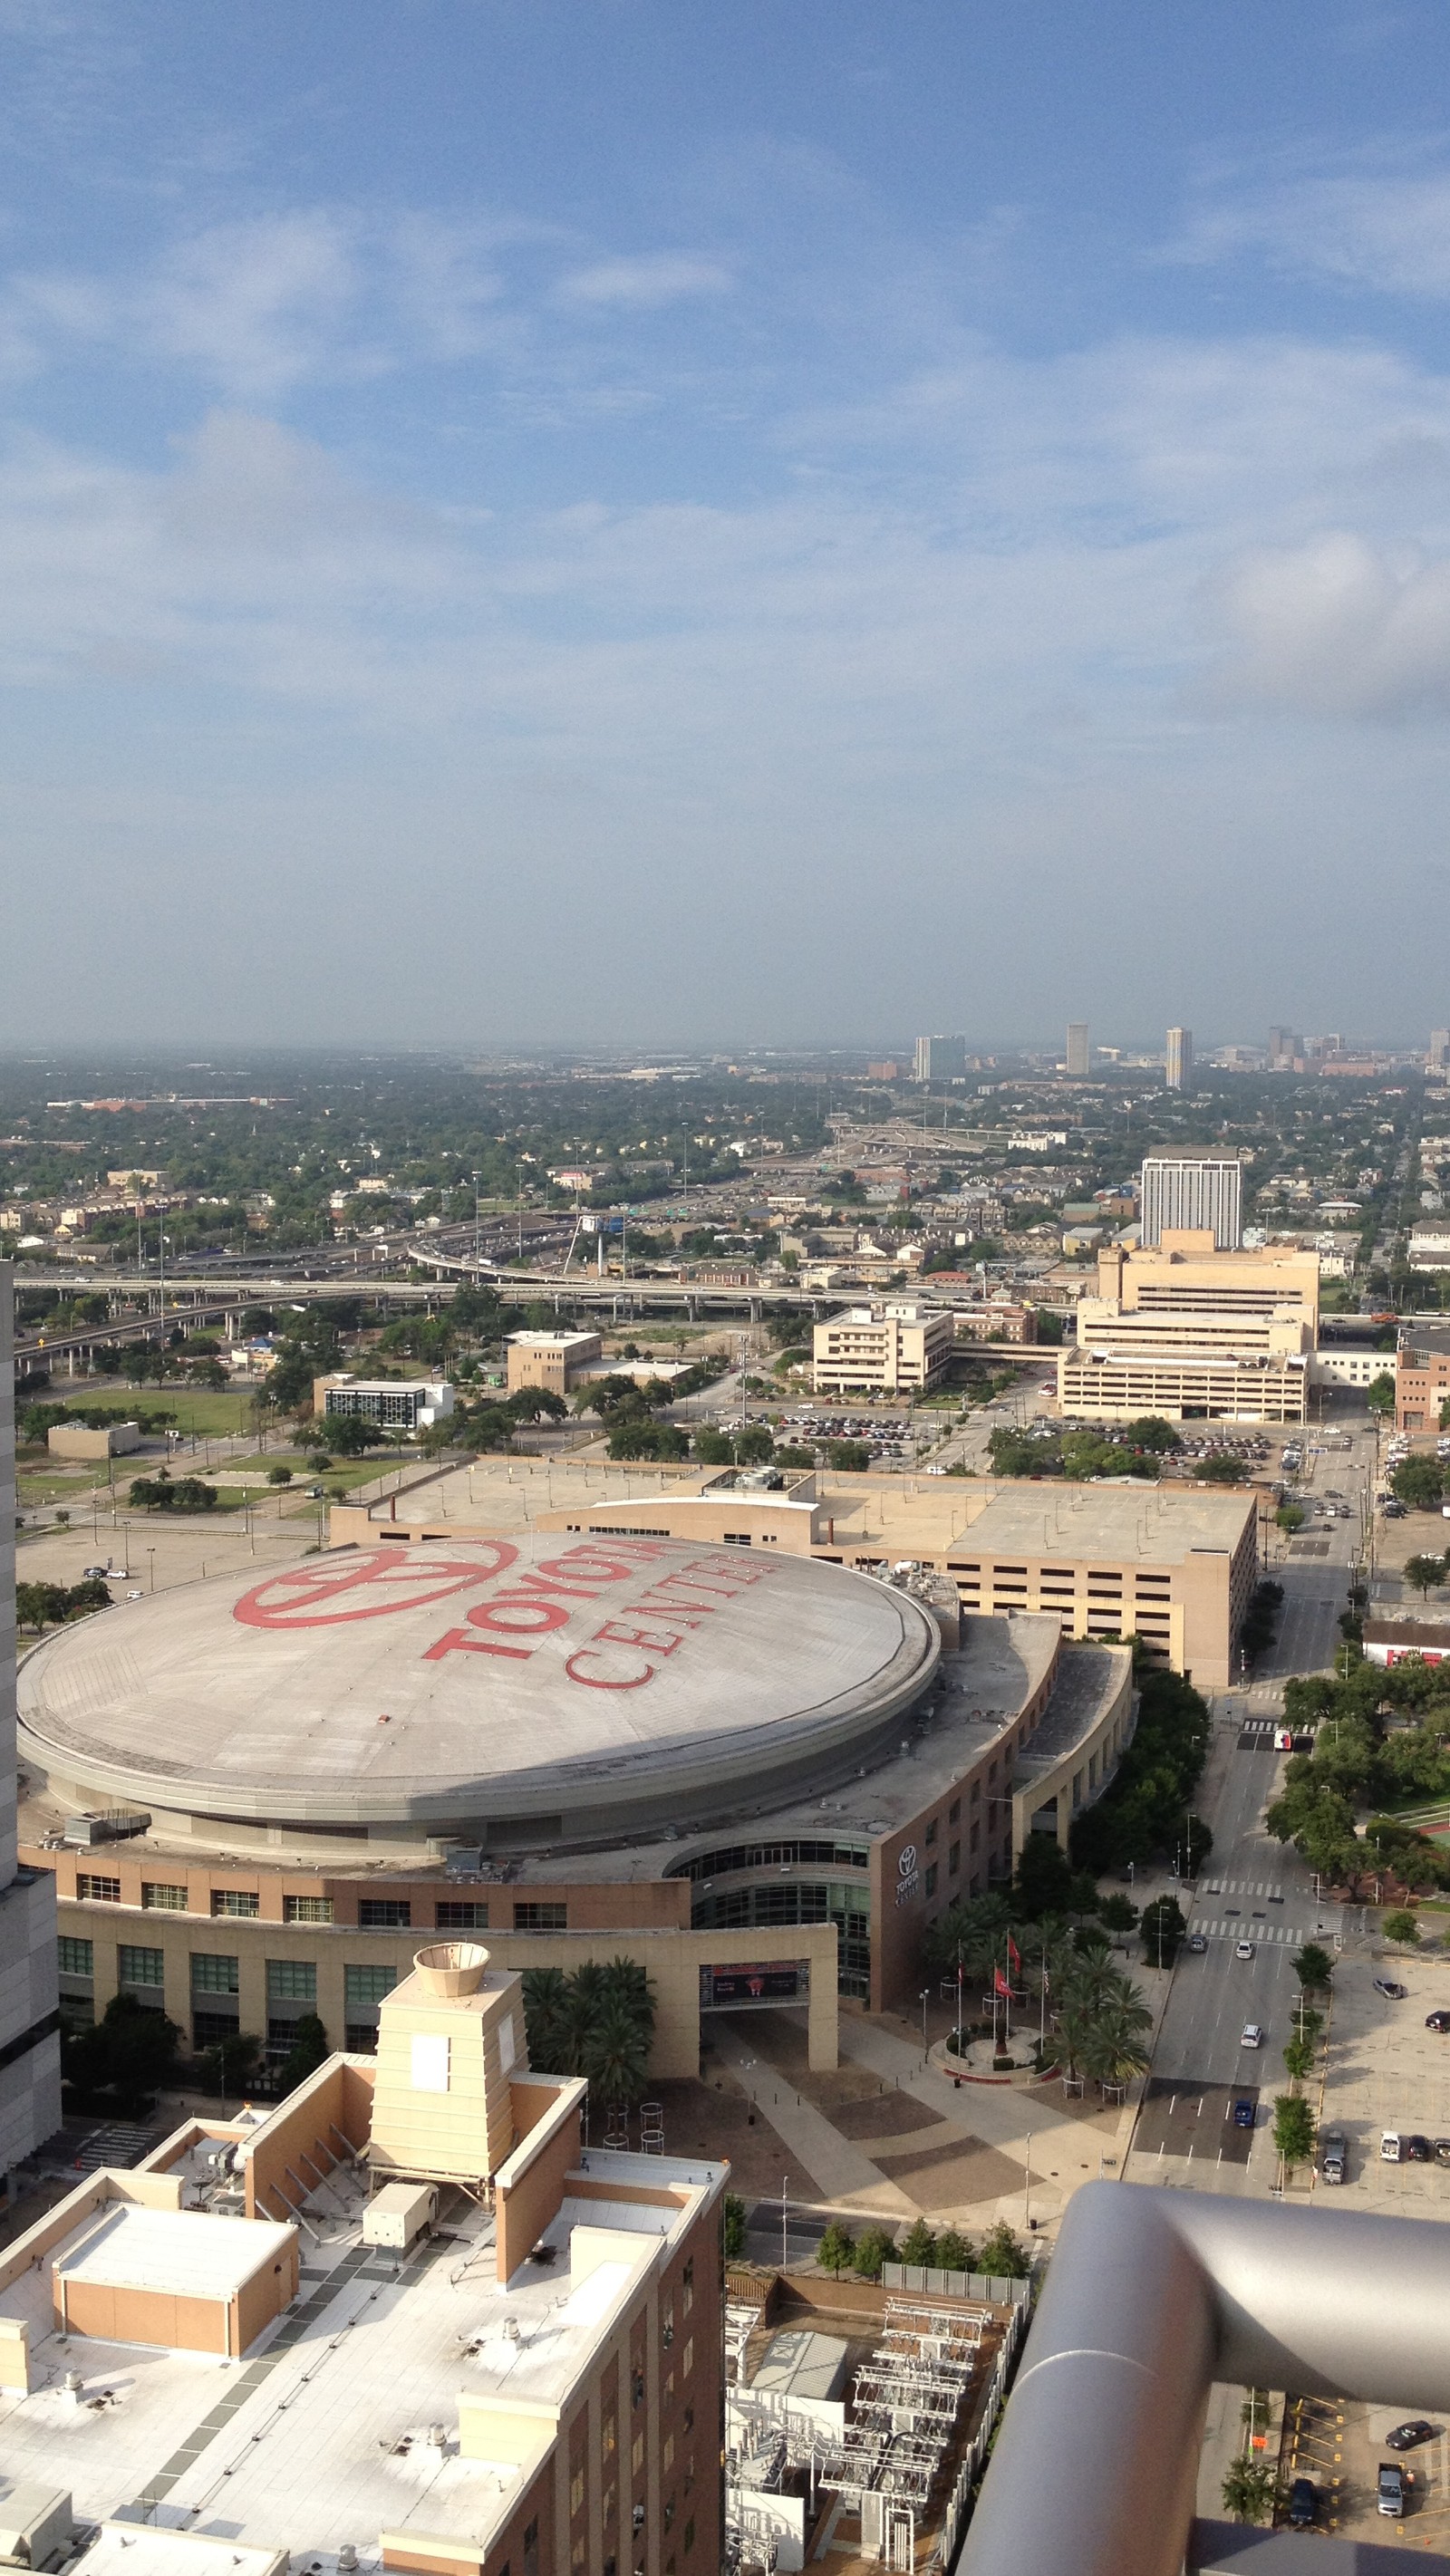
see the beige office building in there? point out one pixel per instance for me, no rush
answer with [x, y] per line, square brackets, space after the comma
[1178, 1060]
[882, 1350]
[1183, 1272]
[1194, 1335]
[556, 1361]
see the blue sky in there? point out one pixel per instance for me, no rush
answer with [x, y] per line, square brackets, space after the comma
[524, 521]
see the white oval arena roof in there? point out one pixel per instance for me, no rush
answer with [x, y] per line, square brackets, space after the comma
[540, 1676]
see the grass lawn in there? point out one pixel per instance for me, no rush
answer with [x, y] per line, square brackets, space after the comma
[213, 1416]
[343, 1471]
[50, 1486]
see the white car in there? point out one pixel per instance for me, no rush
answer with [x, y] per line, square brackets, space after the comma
[1243, 1950]
[1253, 2035]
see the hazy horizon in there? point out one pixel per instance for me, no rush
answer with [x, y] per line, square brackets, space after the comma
[527, 525]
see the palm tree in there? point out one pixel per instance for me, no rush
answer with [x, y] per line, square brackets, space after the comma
[548, 2020]
[975, 1930]
[1113, 2050]
[616, 2055]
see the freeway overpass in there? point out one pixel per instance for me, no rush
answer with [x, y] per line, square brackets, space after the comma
[198, 1301]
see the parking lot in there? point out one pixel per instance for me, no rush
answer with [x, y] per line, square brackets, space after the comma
[1340, 2446]
[1387, 2071]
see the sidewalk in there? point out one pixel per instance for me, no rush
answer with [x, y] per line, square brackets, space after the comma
[842, 2171]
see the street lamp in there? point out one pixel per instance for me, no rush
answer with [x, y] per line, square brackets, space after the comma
[151, 1569]
[924, 1994]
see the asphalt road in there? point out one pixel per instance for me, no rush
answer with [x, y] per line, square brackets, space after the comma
[1253, 1889]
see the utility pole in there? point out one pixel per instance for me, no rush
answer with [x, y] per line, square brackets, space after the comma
[477, 1260]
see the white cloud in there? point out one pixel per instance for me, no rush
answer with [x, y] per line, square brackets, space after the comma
[1387, 229]
[656, 278]
[1336, 628]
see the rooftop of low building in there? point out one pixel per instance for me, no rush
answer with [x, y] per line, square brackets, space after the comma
[342, 2419]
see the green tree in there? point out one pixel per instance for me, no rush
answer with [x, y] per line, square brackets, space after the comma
[1248, 2490]
[308, 2051]
[130, 2052]
[633, 1438]
[1298, 2059]
[279, 1475]
[733, 2228]
[1293, 2130]
[1043, 1883]
[754, 1446]
[351, 1435]
[229, 2065]
[1117, 1913]
[1161, 1927]
[713, 1448]
[615, 2057]
[547, 2021]
[791, 1455]
[1418, 1482]
[1401, 1927]
[1425, 1573]
[874, 2246]
[1313, 1967]
[919, 2243]
[1380, 1393]
[954, 2252]
[1113, 2048]
[1220, 1470]
[836, 2249]
[1290, 1516]
[529, 1403]
[849, 1457]
[1002, 2258]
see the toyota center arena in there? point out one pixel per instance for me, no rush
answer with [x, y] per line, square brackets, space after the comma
[525, 1694]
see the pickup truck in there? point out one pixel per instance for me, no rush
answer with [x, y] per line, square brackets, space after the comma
[1390, 2490]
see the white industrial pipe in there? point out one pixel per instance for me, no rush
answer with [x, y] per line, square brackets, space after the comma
[1152, 2296]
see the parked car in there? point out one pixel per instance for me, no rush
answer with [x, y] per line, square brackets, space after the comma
[1303, 2503]
[1439, 2020]
[1387, 1986]
[1253, 2035]
[1442, 2151]
[1243, 1949]
[1390, 2147]
[1333, 2155]
[1390, 2490]
[1415, 2150]
[1406, 2436]
[1244, 2115]
[1195, 1941]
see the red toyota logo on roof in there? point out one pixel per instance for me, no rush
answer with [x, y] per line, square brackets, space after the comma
[387, 1580]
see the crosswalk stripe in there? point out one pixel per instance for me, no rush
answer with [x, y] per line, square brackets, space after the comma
[1236, 1930]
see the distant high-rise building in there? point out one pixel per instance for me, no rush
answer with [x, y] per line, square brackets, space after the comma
[29, 2006]
[1438, 1054]
[1203, 1191]
[1286, 1046]
[1079, 1053]
[940, 1059]
[1178, 1060]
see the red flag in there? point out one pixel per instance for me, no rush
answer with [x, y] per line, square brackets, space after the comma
[999, 1983]
[1014, 1954]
